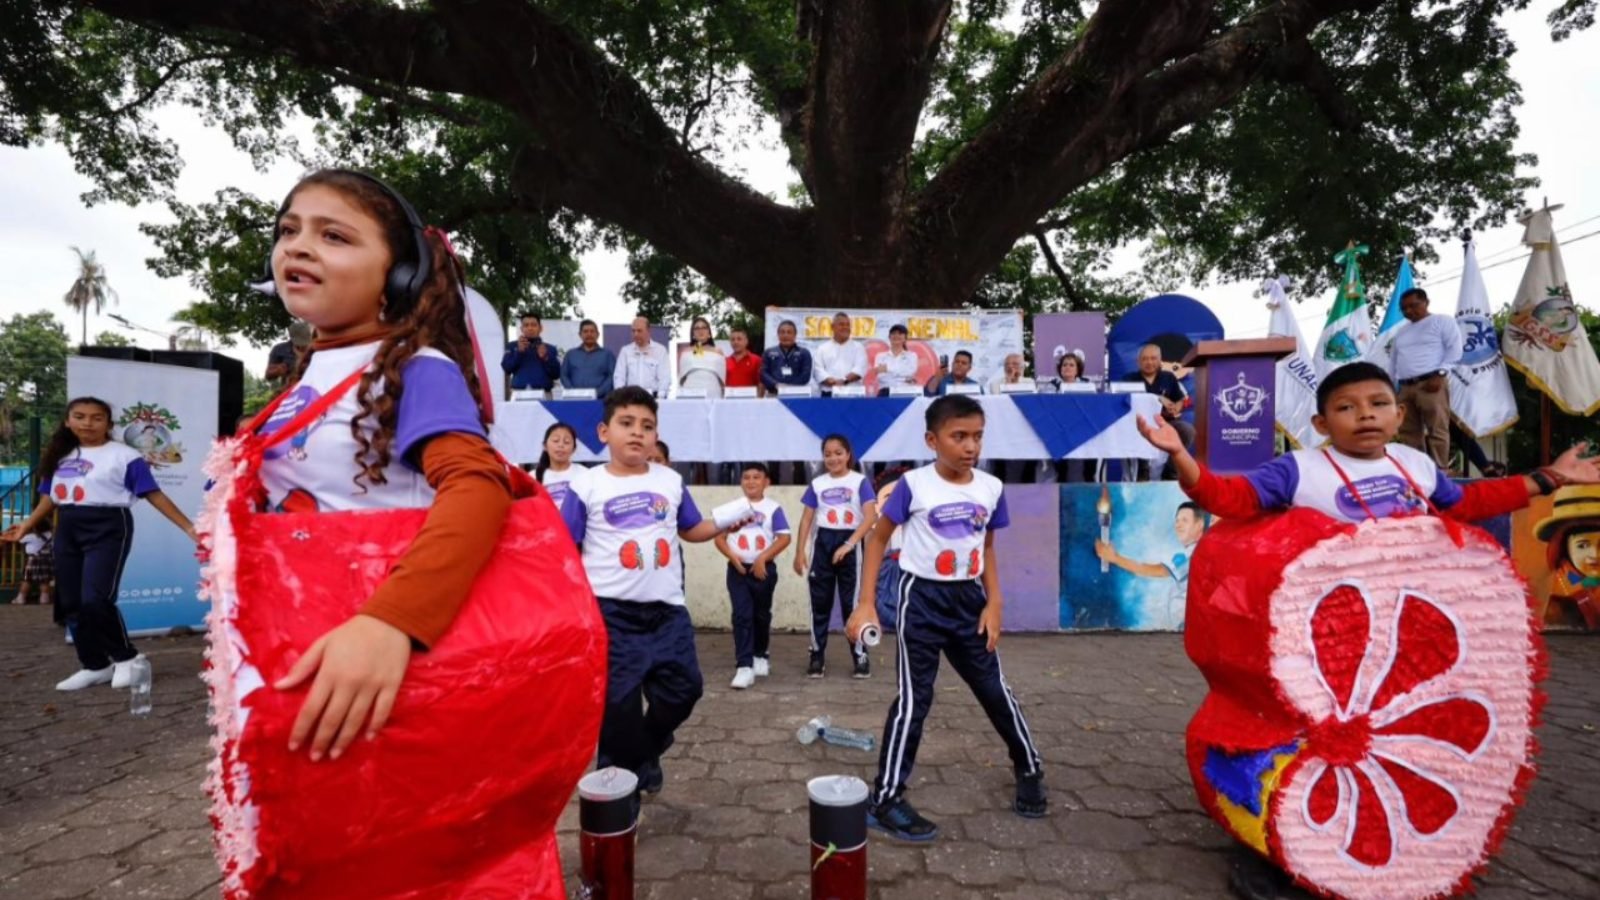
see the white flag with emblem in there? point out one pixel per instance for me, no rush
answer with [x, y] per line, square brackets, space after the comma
[1297, 374]
[1545, 339]
[1480, 385]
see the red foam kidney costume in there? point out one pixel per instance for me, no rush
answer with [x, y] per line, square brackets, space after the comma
[1372, 695]
[458, 796]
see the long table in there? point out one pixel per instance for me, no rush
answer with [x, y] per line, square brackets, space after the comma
[1018, 426]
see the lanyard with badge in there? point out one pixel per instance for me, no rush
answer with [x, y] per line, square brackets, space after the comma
[1451, 527]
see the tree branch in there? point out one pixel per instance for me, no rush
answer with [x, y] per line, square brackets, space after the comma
[408, 99]
[602, 144]
[1075, 299]
[166, 78]
[1300, 64]
[1114, 93]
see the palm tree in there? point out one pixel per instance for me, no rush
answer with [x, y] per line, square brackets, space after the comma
[90, 289]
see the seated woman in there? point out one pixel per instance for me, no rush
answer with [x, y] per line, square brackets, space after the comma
[702, 366]
[1069, 370]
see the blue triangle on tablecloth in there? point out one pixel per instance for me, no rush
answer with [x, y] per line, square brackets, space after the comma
[1065, 422]
[863, 421]
[584, 416]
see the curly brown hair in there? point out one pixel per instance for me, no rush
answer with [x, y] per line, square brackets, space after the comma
[437, 320]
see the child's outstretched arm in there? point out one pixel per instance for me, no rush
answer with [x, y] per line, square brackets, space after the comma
[866, 612]
[41, 512]
[1230, 497]
[1491, 497]
[166, 507]
[989, 620]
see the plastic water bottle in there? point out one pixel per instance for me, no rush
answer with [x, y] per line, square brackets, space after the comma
[139, 689]
[823, 727]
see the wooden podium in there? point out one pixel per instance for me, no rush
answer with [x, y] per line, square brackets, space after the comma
[1235, 411]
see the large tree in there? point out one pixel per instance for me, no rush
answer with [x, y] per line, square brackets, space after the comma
[985, 152]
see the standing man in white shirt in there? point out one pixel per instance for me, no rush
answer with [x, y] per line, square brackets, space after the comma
[1421, 356]
[840, 361]
[643, 362]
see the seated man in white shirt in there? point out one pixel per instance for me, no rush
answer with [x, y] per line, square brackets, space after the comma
[840, 361]
[1010, 374]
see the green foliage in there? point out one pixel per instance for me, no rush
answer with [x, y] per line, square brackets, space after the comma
[33, 377]
[111, 339]
[1403, 119]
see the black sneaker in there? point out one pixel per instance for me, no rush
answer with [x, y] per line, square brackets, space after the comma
[863, 668]
[1031, 802]
[651, 778]
[898, 820]
[815, 668]
[1253, 877]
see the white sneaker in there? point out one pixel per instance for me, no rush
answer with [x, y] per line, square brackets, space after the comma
[122, 674]
[763, 668]
[83, 678]
[743, 678]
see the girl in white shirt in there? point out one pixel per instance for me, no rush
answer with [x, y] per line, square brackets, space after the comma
[842, 505]
[556, 470]
[702, 365]
[94, 481]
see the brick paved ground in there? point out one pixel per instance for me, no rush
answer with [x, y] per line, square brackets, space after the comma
[95, 803]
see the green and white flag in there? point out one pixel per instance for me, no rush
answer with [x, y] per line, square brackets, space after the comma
[1545, 339]
[1348, 333]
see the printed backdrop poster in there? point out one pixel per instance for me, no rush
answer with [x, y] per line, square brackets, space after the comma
[1125, 551]
[989, 336]
[1057, 334]
[168, 414]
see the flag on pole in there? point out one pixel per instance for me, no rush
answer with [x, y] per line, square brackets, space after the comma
[1348, 333]
[1545, 339]
[1296, 399]
[1480, 385]
[1382, 349]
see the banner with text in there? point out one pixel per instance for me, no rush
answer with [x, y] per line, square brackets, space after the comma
[932, 333]
[169, 415]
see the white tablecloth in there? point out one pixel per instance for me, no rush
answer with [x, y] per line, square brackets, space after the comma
[738, 430]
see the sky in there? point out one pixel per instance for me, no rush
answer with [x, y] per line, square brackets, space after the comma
[42, 216]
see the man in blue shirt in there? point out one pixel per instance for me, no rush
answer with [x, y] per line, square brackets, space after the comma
[589, 365]
[1164, 384]
[531, 363]
[787, 363]
[960, 373]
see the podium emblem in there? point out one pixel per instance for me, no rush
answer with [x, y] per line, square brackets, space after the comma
[1241, 402]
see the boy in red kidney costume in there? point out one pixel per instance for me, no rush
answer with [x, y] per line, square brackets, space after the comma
[1372, 667]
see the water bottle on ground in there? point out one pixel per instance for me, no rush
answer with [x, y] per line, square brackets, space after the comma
[823, 727]
[139, 689]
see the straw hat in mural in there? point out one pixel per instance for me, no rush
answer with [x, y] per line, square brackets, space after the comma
[1571, 504]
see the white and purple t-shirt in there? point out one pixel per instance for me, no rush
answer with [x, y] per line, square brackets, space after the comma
[1305, 478]
[628, 526]
[112, 474]
[945, 524]
[559, 484]
[758, 534]
[839, 501]
[316, 468]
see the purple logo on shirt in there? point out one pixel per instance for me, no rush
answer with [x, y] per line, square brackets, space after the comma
[641, 509]
[958, 520]
[303, 396]
[837, 496]
[74, 468]
[1386, 495]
